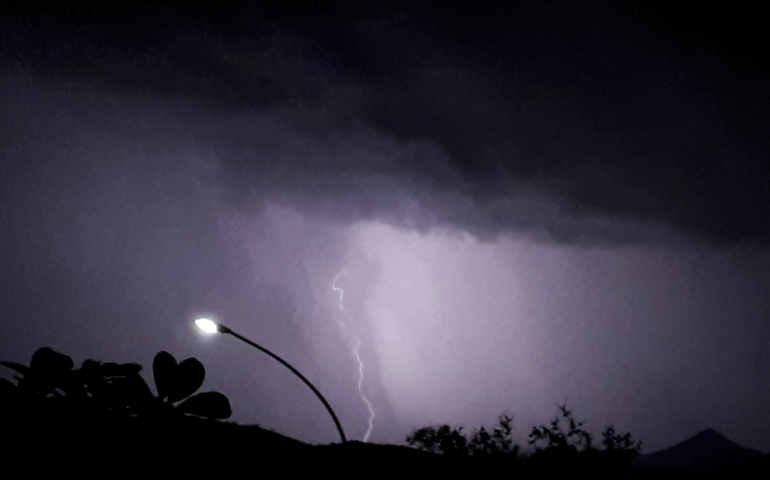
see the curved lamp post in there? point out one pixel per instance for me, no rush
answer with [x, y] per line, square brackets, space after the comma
[210, 326]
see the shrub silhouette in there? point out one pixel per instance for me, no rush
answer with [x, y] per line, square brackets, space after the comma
[452, 441]
[563, 444]
[116, 388]
[554, 438]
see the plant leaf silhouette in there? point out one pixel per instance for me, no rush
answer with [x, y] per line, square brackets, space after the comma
[113, 369]
[133, 392]
[189, 378]
[211, 405]
[50, 362]
[47, 371]
[110, 386]
[177, 381]
[17, 367]
[163, 369]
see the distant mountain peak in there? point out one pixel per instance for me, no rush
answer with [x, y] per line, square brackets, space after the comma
[712, 439]
[710, 433]
[706, 450]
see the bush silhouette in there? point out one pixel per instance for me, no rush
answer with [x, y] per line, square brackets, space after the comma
[452, 441]
[115, 388]
[563, 445]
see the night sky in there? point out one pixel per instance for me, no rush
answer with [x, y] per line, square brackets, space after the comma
[494, 209]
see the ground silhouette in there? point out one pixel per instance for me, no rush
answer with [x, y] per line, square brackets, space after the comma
[102, 419]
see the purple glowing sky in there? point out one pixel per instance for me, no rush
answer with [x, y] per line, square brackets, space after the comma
[520, 222]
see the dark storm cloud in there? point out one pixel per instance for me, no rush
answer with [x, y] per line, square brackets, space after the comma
[163, 163]
[612, 117]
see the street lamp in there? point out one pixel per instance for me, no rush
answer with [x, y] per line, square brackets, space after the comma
[209, 326]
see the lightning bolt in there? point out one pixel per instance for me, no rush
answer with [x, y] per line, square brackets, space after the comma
[339, 289]
[356, 348]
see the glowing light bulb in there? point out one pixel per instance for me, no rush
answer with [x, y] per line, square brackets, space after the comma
[207, 325]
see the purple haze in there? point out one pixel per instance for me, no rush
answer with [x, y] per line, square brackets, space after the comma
[476, 284]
